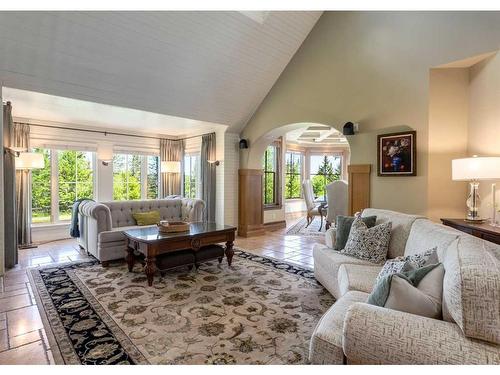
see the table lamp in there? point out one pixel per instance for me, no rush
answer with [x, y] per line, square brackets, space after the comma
[475, 169]
[170, 167]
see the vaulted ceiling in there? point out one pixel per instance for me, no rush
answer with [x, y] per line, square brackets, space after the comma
[208, 66]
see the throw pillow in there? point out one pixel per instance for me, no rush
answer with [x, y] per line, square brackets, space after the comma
[417, 292]
[408, 263]
[147, 218]
[369, 244]
[343, 227]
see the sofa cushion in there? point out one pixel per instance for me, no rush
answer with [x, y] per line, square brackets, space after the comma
[416, 292]
[425, 234]
[408, 263]
[401, 226]
[344, 224]
[471, 288]
[116, 234]
[326, 267]
[147, 218]
[370, 244]
[326, 341]
[358, 277]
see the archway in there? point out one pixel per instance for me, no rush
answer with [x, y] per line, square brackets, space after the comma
[253, 216]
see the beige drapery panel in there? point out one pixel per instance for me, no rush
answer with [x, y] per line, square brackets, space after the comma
[171, 150]
[23, 187]
[208, 175]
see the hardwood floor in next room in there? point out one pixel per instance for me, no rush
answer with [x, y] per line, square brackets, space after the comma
[22, 337]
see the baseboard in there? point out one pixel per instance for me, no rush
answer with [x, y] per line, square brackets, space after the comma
[275, 225]
[251, 230]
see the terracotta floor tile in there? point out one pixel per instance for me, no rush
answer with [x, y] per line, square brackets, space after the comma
[4, 342]
[12, 287]
[26, 338]
[15, 302]
[23, 321]
[32, 354]
[12, 293]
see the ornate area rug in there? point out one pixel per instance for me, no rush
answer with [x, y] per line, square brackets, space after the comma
[299, 229]
[258, 311]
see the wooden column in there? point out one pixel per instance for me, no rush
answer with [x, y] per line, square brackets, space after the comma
[359, 187]
[250, 208]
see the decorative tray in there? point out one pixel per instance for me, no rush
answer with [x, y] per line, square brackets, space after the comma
[173, 226]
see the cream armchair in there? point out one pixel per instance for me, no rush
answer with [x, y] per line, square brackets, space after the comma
[337, 199]
[312, 207]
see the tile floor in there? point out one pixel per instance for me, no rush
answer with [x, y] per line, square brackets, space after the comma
[22, 337]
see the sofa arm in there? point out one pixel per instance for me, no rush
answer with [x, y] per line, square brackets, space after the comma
[330, 237]
[376, 335]
[99, 212]
[192, 209]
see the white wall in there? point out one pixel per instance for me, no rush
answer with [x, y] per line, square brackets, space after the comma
[484, 120]
[2, 243]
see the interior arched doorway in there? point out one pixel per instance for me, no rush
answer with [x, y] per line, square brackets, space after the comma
[305, 141]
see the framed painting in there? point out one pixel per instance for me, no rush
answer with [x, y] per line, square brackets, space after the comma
[397, 154]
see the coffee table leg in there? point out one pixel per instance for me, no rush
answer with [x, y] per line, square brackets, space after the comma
[130, 258]
[229, 252]
[150, 269]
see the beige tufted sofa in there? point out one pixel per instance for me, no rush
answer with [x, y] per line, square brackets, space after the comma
[102, 223]
[352, 331]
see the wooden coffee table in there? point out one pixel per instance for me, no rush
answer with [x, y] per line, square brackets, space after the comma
[152, 243]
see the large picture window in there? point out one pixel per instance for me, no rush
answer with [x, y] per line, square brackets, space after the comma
[293, 174]
[191, 175]
[324, 169]
[135, 177]
[67, 175]
[270, 165]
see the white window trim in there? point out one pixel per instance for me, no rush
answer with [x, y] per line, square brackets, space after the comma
[302, 173]
[144, 172]
[54, 184]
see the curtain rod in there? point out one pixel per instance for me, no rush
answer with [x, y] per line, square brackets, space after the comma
[116, 133]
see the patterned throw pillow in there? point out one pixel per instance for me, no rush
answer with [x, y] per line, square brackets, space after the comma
[408, 263]
[369, 244]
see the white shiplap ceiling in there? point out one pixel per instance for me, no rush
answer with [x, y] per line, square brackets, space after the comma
[208, 66]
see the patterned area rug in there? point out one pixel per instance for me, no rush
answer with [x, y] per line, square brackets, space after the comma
[299, 229]
[258, 311]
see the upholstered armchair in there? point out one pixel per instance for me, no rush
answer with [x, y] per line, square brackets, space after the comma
[312, 207]
[337, 199]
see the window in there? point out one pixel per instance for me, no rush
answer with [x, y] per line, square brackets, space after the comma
[152, 178]
[75, 179]
[126, 177]
[41, 199]
[270, 164]
[68, 175]
[324, 169]
[191, 175]
[293, 175]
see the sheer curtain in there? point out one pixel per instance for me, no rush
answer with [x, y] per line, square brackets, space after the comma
[171, 150]
[10, 232]
[208, 175]
[23, 188]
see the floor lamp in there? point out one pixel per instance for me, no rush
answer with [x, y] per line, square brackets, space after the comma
[25, 162]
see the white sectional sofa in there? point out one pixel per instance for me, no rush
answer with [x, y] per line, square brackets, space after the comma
[102, 223]
[352, 331]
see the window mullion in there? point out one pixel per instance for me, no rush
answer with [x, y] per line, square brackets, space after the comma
[54, 189]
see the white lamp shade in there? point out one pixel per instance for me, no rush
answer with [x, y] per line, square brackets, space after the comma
[105, 152]
[30, 160]
[170, 167]
[483, 168]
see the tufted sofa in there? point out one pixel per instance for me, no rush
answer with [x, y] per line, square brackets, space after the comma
[102, 223]
[353, 331]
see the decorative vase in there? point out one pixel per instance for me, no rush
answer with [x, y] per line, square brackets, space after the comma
[396, 163]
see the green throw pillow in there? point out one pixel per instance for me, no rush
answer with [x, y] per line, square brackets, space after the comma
[147, 218]
[344, 224]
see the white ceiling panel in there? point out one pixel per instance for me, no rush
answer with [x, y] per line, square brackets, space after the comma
[208, 66]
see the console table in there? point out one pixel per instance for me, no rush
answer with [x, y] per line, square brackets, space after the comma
[481, 230]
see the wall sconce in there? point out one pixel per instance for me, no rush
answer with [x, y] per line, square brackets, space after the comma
[170, 167]
[216, 162]
[105, 154]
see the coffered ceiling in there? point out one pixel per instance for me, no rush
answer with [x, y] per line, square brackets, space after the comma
[208, 66]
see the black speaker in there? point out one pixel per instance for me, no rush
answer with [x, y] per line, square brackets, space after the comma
[348, 128]
[243, 144]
